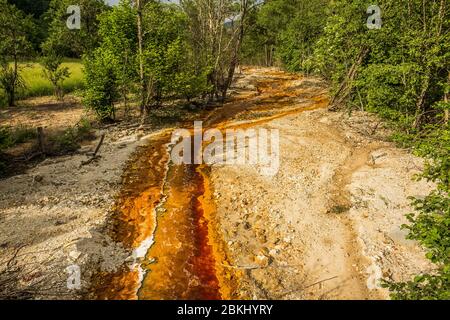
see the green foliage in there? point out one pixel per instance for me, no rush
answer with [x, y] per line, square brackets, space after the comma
[112, 70]
[422, 287]
[55, 73]
[430, 223]
[118, 34]
[5, 138]
[36, 9]
[15, 26]
[14, 43]
[168, 63]
[407, 62]
[10, 82]
[102, 84]
[73, 43]
[69, 140]
[288, 28]
[191, 82]
[12, 136]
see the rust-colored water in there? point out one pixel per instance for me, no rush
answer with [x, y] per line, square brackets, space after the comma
[183, 261]
[188, 259]
[134, 218]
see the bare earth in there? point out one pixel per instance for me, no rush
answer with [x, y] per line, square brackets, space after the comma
[43, 112]
[289, 231]
[327, 226]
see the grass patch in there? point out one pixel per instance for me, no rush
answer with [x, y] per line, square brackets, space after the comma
[10, 137]
[37, 85]
[55, 143]
[69, 140]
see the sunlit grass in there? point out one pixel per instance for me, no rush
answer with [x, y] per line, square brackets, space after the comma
[37, 85]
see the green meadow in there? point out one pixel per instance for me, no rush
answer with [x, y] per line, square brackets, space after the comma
[37, 85]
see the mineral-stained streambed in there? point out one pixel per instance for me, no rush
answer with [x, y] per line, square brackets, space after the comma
[325, 226]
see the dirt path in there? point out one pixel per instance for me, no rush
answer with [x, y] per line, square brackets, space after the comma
[306, 233]
[326, 226]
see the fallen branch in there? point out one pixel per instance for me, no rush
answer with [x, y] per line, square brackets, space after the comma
[94, 155]
[102, 138]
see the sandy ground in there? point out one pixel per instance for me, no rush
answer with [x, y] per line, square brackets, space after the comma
[43, 112]
[326, 226]
[52, 217]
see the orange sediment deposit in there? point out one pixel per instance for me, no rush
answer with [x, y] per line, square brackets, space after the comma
[119, 285]
[173, 206]
[133, 218]
[183, 261]
[142, 185]
[227, 276]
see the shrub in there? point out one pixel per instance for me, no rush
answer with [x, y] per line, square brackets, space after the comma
[102, 84]
[55, 73]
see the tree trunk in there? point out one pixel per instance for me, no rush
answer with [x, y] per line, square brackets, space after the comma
[421, 101]
[446, 100]
[266, 51]
[143, 109]
[11, 98]
[235, 58]
[346, 85]
[12, 94]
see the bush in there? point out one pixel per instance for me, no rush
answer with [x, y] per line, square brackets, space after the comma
[11, 136]
[10, 82]
[430, 223]
[5, 138]
[69, 140]
[55, 73]
[102, 84]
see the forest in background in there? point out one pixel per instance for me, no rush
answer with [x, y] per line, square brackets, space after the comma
[141, 54]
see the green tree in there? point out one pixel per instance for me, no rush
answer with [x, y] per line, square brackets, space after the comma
[216, 32]
[55, 73]
[14, 44]
[37, 9]
[73, 43]
[118, 33]
[163, 50]
[288, 31]
[102, 90]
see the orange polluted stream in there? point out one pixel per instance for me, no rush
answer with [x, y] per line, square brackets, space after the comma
[183, 259]
[172, 209]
